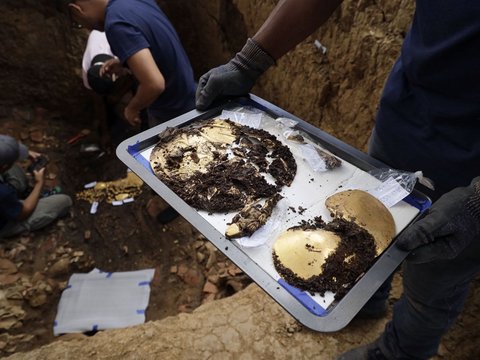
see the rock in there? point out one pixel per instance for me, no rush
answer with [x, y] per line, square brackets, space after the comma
[7, 267]
[200, 257]
[192, 277]
[185, 308]
[212, 259]
[210, 288]
[36, 136]
[173, 269]
[61, 267]
[7, 279]
[38, 299]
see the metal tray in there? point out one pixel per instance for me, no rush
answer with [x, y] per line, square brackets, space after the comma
[320, 313]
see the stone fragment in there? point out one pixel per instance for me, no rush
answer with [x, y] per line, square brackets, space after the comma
[7, 267]
[61, 267]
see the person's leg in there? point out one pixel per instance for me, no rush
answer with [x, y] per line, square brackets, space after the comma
[434, 295]
[47, 210]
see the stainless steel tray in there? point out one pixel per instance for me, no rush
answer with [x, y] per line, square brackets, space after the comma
[320, 313]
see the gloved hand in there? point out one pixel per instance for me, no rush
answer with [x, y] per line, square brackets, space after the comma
[236, 77]
[449, 226]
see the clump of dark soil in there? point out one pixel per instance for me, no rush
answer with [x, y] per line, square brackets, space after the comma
[229, 182]
[353, 256]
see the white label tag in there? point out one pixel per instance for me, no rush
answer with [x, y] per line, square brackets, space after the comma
[389, 192]
[94, 207]
[90, 185]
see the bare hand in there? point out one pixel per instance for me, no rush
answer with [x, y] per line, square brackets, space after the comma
[112, 67]
[39, 175]
[132, 116]
[33, 154]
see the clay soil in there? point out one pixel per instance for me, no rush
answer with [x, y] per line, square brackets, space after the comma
[35, 267]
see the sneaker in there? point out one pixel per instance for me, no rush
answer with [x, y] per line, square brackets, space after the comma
[366, 352]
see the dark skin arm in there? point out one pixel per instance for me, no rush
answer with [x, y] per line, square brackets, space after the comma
[30, 203]
[291, 22]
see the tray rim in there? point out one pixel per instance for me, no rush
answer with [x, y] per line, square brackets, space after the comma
[345, 309]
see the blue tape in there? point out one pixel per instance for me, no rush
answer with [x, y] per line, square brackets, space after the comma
[55, 324]
[109, 275]
[420, 204]
[140, 311]
[135, 150]
[95, 328]
[144, 283]
[68, 287]
[303, 298]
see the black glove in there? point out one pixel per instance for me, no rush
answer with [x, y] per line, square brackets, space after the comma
[449, 226]
[236, 77]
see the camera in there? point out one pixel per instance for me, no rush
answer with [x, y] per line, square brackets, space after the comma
[38, 163]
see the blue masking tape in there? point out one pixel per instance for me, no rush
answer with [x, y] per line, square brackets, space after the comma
[420, 204]
[303, 298]
[140, 311]
[144, 283]
[109, 275]
[95, 328]
[134, 150]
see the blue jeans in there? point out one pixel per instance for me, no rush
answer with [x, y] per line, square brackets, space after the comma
[434, 295]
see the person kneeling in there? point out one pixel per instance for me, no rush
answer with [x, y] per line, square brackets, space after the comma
[20, 213]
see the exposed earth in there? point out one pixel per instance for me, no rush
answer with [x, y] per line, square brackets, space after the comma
[334, 85]
[34, 267]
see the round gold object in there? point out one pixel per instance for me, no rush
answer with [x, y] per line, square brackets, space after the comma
[194, 151]
[304, 251]
[366, 211]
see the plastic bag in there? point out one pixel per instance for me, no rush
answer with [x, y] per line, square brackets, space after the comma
[407, 180]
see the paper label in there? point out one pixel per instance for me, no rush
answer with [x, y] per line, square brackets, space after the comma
[390, 192]
[90, 185]
[94, 207]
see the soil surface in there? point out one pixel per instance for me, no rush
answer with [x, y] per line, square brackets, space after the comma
[35, 267]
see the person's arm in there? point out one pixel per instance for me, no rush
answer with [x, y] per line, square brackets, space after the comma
[291, 22]
[151, 84]
[30, 203]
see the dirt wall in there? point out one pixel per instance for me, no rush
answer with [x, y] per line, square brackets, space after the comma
[337, 90]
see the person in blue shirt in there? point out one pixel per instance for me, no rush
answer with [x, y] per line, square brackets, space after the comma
[20, 211]
[428, 119]
[144, 40]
